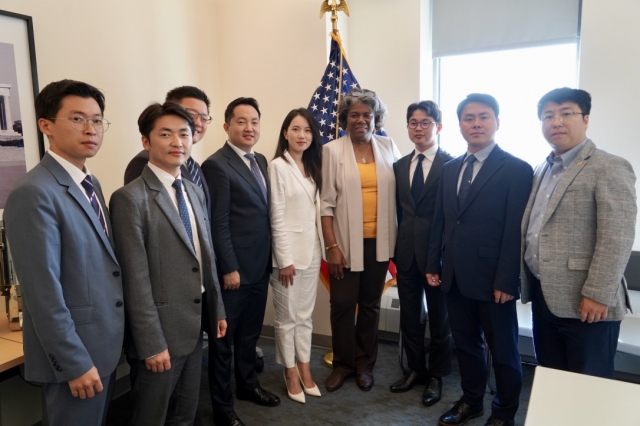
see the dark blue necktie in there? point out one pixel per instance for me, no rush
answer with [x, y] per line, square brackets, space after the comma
[418, 180]
[182, 209]
[193, 172]
[467, 177]
[87, 184]
[256, 174]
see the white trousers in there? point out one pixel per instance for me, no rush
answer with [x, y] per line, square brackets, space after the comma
[294, 306]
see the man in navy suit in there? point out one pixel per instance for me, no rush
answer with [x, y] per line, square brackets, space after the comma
[241, 233]
[417, 178]
[474, 254]
[61, 241]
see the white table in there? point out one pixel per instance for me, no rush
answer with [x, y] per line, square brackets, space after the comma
[566, 399]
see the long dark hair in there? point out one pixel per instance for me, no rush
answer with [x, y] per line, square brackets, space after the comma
[312, 156]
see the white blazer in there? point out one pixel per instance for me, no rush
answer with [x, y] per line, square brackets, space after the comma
[295, 215]
[342, 198]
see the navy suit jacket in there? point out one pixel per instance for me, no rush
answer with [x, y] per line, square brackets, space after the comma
[240, 226]
[137, 163]
[479, 242]
[415, 219]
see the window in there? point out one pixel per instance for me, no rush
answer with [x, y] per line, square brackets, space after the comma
[517, 79]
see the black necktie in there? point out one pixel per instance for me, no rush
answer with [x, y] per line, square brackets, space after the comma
[87, 184]
[418, 180]
[467, 177]
[182, 209]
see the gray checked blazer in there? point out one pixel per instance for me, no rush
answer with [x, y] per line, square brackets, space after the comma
[586, 236]
[160, 271]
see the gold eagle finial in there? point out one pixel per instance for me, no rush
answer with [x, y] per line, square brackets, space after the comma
[334, 6]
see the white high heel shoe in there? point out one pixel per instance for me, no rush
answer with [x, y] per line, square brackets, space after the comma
[297, 397]
[314, 391]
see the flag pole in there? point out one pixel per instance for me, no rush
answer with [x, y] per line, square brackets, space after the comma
[334, 7]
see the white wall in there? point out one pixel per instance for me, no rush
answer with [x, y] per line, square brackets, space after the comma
[609, 70]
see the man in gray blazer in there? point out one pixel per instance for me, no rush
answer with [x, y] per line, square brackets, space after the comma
[577, 234]
[162, 235]
[60, 236]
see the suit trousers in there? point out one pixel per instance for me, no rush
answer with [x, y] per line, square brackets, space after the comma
[355, 346]
[570, 344]
[63, 409]
[412, 289]
[245, 313]
[293, 309]
[170, 397]
[470, 319]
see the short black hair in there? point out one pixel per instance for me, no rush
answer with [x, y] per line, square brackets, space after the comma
[179, 93]
[49, 100]
[429, 107]
[153, 112]
[567, 94]
[480, 98]
[228, 113]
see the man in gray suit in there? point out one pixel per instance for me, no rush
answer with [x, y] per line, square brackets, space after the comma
[162, 235]
[60, 235]
[577, 234]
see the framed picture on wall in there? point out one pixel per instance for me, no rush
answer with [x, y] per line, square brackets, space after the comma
[21, 144]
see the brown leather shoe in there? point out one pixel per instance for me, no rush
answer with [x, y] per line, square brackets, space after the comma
[365, 380]
[335, 381]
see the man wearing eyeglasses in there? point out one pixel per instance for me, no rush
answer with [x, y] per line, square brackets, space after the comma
[417, 178]
[577, 234]
[197, 103]
[60, 235]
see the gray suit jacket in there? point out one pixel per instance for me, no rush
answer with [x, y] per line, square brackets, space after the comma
[586, 236]
[161, 274]
[69, 276]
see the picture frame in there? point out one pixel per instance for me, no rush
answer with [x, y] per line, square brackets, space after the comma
[21, 143]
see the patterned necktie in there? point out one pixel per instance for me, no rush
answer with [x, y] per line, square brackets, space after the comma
[193, 171]
[467, 177]
[256, 174]
[418, 180]
[87, 184]
[182, 209]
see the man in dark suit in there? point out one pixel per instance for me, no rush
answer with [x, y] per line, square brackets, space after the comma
[476, 236]
[163, 244]
[417, 177]
[197, 103]
[240, 199]
[60, 235]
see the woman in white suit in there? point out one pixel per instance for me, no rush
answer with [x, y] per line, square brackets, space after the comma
[296, 180]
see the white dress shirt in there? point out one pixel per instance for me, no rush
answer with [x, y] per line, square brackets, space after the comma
[429, 154]
[241, 154]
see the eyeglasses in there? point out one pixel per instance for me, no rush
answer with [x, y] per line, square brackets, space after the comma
[425, 124]
[100, 125]
[550, 118]
[359, 92]
[205, 118]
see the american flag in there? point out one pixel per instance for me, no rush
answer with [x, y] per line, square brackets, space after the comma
[337, 81]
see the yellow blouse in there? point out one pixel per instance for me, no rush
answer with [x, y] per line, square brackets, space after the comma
[369, 183]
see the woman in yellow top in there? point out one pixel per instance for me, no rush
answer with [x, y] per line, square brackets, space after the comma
[358, 212]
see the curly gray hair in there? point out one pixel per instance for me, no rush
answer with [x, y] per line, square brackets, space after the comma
[367, 97]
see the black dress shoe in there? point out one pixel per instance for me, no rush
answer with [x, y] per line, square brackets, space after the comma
[460, 414]
[365, 380]
[335, 381]
[226, 418]
[260, 397]
[497, 422]
[432, 392]
[408, 382]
